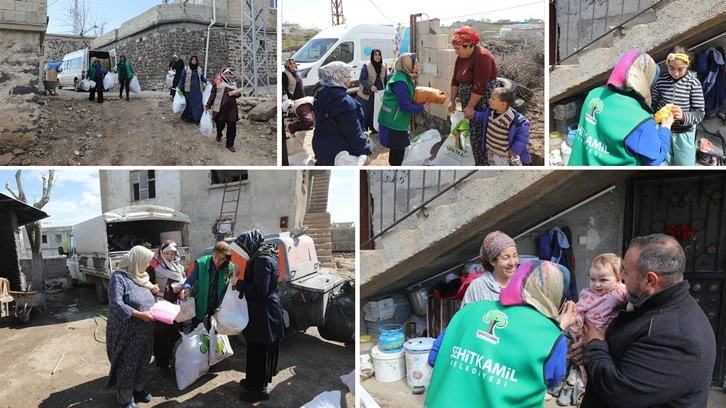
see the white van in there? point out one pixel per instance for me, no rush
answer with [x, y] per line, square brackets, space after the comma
[76, 64]
[350, 44]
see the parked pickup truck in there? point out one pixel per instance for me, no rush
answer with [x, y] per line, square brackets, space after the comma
[98, 245]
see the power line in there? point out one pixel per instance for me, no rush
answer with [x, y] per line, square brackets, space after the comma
[379, 10]
[493, 11]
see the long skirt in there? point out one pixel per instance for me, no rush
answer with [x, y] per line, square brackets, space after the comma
[262, 359]
[476, 130]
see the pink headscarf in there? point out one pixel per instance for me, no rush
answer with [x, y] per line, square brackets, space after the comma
[636, 71]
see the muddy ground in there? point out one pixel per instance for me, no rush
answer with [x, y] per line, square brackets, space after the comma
[29, 353]
[535, 114]
[143, 131]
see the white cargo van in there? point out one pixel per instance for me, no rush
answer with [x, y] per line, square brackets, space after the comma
[350, 44]
[97, 245]
[76, 64]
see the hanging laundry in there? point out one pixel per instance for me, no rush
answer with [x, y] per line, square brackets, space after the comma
[712, 74]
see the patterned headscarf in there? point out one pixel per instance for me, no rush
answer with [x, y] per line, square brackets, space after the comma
[171, 269]
[636, 71]
[494, 243]
[405, 63]
[465, 35]
[335, 74]
[540, 284]
[134, 265]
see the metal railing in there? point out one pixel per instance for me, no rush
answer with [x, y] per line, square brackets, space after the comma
[377, 217]
[606, 11]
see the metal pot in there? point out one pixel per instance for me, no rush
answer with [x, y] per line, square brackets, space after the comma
[418, 298]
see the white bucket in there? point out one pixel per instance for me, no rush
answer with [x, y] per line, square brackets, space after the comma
[388, 367]
[417, 362]
[566, 151]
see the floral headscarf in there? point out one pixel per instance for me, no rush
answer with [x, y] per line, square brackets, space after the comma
[636, 71]
[335, 74]
[168, 269]
[405, 63]
[465, 35]
[540, 284]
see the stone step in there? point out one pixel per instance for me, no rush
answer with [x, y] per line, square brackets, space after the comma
[325, 216]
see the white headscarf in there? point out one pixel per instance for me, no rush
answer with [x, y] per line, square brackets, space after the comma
[169, 269]
[134, 265]
[335, 74]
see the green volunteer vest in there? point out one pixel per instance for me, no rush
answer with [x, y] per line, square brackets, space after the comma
[125, 66]
[493, 356]
[200, 291]
[606, 120]
[391, 114]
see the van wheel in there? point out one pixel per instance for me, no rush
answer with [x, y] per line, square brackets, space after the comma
[101, 292]
[72, 283]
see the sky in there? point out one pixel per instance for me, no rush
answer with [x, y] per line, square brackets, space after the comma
[317, 13]
[115, 11]
[75, 197]
[342, 202]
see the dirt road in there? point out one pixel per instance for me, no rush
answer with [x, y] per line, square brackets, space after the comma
[143, 131]
[308, 364]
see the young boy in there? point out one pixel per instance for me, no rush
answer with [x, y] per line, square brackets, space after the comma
[506, 135]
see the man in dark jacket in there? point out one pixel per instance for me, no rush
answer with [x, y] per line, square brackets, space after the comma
[177, 65]
[663, 352]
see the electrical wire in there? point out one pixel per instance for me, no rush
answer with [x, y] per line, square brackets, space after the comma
[379, 10]
[493, 11]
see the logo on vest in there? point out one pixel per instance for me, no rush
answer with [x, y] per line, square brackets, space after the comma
[496, 319]
[595, 106]
[481, 366]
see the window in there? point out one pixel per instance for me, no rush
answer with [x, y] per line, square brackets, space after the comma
[143, 184]
[343, 52]
[44, 238]
[230, 176]
[58, 238]
[273, 4]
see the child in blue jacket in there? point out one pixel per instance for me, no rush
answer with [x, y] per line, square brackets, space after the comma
[506, 132]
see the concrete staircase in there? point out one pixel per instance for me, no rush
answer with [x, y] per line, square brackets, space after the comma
[317, 219]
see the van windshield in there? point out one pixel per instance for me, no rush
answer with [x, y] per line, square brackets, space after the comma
[314, 49]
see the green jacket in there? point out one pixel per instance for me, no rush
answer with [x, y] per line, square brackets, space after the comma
[606, 120]
[124, 71]
[391, 114]
[200, 291]
[489, 357]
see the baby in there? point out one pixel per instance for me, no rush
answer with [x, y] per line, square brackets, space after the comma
[606, 296]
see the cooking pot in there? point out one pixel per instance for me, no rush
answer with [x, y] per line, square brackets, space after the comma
[418, 298]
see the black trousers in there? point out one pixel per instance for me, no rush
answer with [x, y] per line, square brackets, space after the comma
[93, 94]
[124, 83]
[262, 359]
[164, 345]
[395, 157]
[231, 130]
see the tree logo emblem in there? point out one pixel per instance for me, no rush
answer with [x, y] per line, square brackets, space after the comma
[497, 320]
[595, 107]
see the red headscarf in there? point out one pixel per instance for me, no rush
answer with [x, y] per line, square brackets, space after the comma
[465, 35]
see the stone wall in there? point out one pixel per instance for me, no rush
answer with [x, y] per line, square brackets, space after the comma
[56, 46]
[9, 249]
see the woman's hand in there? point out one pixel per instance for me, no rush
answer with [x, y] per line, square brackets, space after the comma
[374, 89]
[206, 109]
[469, 112]
[667, 122]
[154, 289]
[426, 105]
[145, 316]
[184, 293]
[234, 280]
[452, 105]
[677, 112]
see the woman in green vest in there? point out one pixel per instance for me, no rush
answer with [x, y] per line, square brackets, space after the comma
[125, 74]
[208, 281]
[505, 353]
[397, 108]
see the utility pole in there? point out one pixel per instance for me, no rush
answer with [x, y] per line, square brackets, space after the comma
[337, 11]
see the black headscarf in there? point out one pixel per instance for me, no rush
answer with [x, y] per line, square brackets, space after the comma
[377, 65]
[252, 242]
[193, 66]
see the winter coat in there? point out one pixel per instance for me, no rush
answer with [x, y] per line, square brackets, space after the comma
[228, 111]
[339, 126]
[266, 324]
[518, 134]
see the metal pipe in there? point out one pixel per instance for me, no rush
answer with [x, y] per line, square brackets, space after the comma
[578, 205]
[209, 33]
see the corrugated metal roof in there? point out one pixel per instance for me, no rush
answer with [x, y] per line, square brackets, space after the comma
[26, 213]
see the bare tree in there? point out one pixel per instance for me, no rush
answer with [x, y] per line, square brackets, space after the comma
[80, 20]
[33, 229]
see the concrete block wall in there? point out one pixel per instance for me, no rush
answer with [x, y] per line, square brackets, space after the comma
[28, 15]
[436, 57]
[55, 267]
[343, 237]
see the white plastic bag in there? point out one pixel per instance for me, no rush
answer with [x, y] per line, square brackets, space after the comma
[179, 102]
[419, 151]
[346, 159]
[219, 347]
[327, 399]
[192, 357]
[109, 81]
[134, 85]
[232, 316]
[206, 94]
[296, 144]
[170, 78]
[456, 150]
[376, 108]
[85, 85]
[206, 125]
[300, 159]
[188, 310]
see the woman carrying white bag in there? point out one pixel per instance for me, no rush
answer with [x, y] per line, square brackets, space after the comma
[266, 327]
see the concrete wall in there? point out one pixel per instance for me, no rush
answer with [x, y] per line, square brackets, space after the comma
[22, 27]
[265, 197]
[55, 267]
[10, 249]
[152, 38]
[56, 46]
[343, 236]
